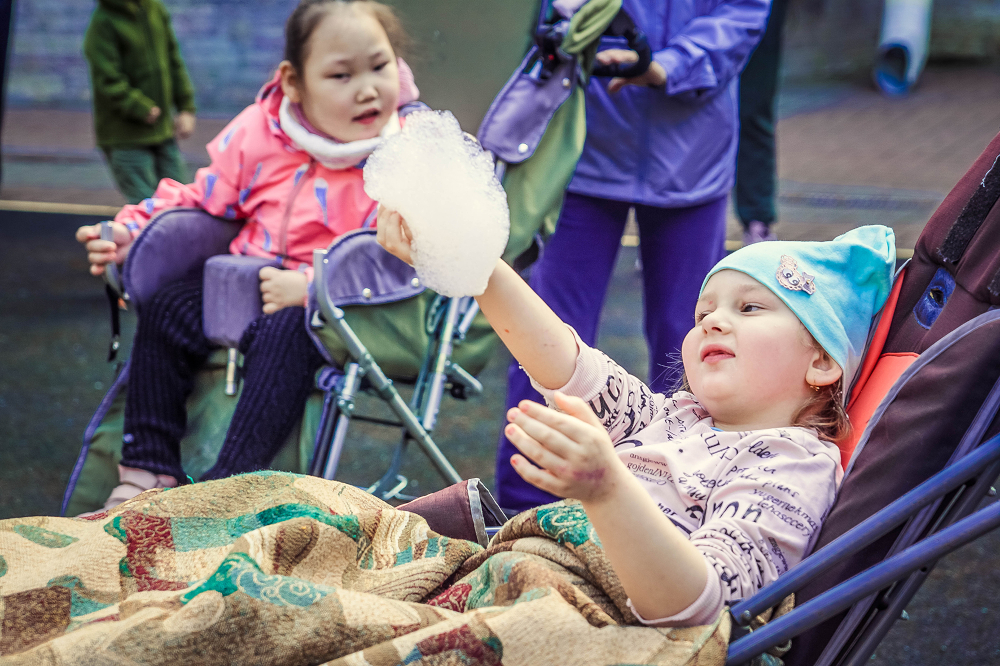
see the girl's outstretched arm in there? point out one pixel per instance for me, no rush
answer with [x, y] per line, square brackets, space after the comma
[538, 339]
[662, 572]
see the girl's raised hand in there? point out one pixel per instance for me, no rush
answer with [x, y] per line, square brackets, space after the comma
[100, 253]
[573, 453]
[392, 233]
[281, 289]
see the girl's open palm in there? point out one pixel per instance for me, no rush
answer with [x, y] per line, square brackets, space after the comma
[574, 455]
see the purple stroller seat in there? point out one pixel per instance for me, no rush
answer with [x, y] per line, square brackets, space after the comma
[174, 246]
[358, 271]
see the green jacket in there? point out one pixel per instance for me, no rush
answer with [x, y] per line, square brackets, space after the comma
[135, 64]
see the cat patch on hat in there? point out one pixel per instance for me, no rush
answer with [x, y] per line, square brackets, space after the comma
[790, 277]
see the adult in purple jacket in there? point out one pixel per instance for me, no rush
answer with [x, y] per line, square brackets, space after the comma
[664, 142]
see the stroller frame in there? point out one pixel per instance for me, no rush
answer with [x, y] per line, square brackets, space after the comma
[449, 323]
[943, 517]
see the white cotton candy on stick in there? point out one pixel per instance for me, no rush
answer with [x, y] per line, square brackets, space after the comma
[439, 179]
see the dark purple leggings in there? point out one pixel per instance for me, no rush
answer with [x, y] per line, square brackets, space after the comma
[678, 247]
[279, 364]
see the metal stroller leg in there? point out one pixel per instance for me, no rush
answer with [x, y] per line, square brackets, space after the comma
[232, 381]
[383, 386]
[441, 367]
[368, 368]
[345, 408]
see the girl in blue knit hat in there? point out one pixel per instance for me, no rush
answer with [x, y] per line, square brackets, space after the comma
[706, 495]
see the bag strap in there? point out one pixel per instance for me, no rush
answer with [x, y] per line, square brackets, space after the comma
[116, 327]
[971, 218]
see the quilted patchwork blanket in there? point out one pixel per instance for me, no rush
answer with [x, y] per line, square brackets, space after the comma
[276, 568]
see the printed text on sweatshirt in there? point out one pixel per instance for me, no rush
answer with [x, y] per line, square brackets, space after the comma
[751, 502]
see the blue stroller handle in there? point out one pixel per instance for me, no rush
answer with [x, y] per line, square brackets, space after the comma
[624, 26]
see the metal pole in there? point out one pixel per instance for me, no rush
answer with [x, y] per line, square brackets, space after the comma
[6, 28]
[868, 531]
[842, 596]
[345, 408]
[334, 316]
[886, 617]
[440, 366]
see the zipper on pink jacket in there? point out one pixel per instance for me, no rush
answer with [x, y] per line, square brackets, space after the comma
[283, 237]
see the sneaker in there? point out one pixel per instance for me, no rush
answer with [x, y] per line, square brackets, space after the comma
[757, 232]
[134, 481]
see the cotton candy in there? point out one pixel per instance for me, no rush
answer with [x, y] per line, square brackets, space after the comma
[439, 179]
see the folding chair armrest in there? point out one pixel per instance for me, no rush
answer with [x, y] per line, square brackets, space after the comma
[870, 530]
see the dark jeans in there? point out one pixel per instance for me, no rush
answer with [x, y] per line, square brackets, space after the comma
[756, 166]
[137, 170]
[279, 364]
[678, 247]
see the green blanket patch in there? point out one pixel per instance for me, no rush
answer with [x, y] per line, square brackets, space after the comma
[83, 601]
[44, 537]
[239, 572]
[566, 523]
[193, 533]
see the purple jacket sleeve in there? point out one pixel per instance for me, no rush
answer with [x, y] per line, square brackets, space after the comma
[711, 49]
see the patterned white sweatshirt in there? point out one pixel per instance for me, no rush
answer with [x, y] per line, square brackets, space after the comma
[751, 502]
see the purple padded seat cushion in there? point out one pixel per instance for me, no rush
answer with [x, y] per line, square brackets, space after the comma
[232, 296]
[173, 246]
[357, 271]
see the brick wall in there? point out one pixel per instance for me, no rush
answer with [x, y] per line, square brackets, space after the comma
[230, 47]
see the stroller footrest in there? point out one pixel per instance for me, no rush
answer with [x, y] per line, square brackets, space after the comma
[458, 375]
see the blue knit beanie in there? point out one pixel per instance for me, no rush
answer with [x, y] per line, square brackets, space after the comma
[835, 287]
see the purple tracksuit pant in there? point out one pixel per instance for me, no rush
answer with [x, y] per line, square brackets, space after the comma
[678, 246]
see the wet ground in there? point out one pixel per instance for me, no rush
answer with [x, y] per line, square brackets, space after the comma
[846, 157]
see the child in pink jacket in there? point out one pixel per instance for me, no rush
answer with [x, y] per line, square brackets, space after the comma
[289, 166]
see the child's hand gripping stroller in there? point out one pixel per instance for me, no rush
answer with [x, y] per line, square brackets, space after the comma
[107, 246]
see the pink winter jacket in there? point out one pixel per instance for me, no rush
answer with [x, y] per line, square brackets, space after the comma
[292, 204]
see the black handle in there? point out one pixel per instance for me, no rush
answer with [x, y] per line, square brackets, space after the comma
[624, 26]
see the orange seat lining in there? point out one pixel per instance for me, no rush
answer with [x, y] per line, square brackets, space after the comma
[877, 375]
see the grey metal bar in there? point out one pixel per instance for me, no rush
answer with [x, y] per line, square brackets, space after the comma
[345, 408]
[111, 275]
[470, 314]
[334, 317]
[231, 367]
[459, 374]
[324, 434]
[440, 374]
